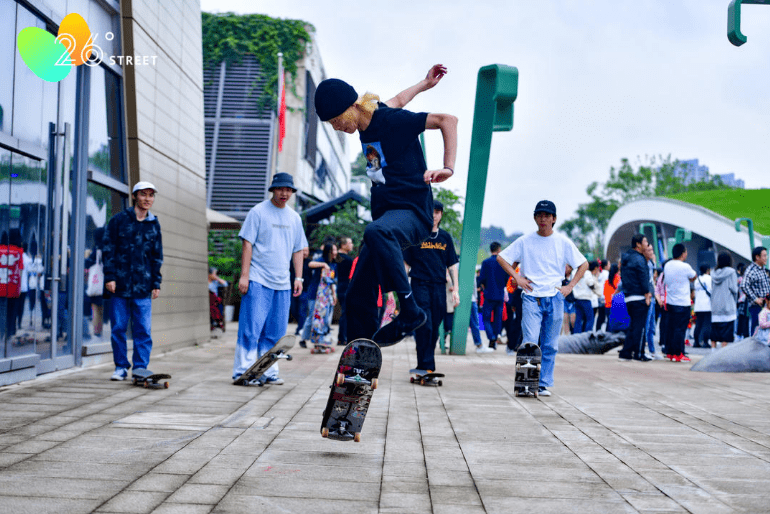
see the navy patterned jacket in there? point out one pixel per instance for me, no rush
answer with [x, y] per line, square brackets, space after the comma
[133, 254]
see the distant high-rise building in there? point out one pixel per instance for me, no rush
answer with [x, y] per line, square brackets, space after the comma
[730, 180]
[692, 171]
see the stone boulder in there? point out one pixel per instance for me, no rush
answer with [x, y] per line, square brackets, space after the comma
[747, 356]
[594, 343]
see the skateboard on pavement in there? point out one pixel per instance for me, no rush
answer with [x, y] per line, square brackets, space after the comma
[255, 372]
[322, 348]
[527, 380]
[354, 381]
[147, 378]
[426, 377]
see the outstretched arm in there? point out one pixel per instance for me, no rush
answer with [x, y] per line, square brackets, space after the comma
[434, 76]
[448, 126]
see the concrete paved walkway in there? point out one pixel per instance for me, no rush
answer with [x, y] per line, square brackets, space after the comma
[614, 437]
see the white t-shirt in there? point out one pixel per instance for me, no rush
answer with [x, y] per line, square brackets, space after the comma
[677, 275]
[543, 260]
[275, 235]
[702, 299]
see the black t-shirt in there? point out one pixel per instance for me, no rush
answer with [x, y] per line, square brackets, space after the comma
[343, 269]
[396, 164]
[430, 260]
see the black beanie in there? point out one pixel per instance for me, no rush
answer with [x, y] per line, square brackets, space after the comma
[333, 97]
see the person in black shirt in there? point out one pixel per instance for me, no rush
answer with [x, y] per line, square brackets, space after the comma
[401, 196]
[344, 265]
[428, 264]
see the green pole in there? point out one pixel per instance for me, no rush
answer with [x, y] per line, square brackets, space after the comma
[750, 224]
[734, 33]
[496, 89]
[654, 240]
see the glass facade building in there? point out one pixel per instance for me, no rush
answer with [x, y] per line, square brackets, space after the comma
[62, 176]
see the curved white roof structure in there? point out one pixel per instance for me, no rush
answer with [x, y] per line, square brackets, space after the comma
[675, 213]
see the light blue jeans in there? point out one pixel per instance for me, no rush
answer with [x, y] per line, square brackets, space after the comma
[474, 325]
[649, 328]
[262, 322]
[540, 323]
[139, 312]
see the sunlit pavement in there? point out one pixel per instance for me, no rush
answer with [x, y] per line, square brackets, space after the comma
[614, 437]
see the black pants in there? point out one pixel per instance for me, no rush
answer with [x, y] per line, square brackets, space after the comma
[632, 347]
[513, 327]
[601, 317]
[342, 294]
[381, 263]
[430, 297]
[676, 328]
[702, 328]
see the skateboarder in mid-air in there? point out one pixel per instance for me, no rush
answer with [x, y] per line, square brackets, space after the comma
[401, 196]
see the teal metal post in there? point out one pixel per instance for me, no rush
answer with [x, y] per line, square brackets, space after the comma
[680, 236]
[496, 90]
[654, 240]
[734, 33]
[750, 225]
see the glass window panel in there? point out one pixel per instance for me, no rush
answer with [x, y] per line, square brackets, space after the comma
[27, 191]
[28, 90]
[101, 205]
[104, 148]
[100, 22]
[7, 53]
[5, 203]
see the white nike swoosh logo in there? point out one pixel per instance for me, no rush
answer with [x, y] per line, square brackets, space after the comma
[407, 296]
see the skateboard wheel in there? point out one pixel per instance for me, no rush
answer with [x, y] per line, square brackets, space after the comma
[288, 357]
[440, 383]
[422, 382]
[166, 385]
[324, 432]
[146, 385]
[411, 380]
[273, 356]
[535, 393]
[340, 379]
[518, 366]
[375, 383]
[357, 437]
[538, 367]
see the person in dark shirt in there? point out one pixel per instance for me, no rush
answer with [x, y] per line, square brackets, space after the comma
[401, 196]
[344, 265]
[428, 264]
[493, 279]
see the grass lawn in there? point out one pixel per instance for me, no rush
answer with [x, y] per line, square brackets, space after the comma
[735, 203]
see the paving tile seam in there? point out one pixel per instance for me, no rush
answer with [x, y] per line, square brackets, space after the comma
[216, 427]
[632, 395]
[637, 447]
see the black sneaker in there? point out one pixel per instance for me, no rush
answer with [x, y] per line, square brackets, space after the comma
[643, 358]
[303, 344]
[398, 329]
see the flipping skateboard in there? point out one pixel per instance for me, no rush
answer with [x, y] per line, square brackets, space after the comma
[322, 348]
[426, 377]
[254, 373]
[527, 379]
[351, 392]
[148, 379]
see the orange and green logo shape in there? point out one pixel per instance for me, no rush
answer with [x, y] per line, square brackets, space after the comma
[51, 58]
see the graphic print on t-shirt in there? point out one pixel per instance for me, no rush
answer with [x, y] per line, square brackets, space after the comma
[375, 161]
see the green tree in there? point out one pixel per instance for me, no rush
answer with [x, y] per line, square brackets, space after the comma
[451, 221]
[358, 167]
[225, 255]
[345, 223]
[654, 177]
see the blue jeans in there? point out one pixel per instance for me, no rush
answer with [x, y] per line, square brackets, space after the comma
[261, 324]
[541, 321]
[649, 329]
[493, 328]
[139, 311]
[475, 324]
[584, 316]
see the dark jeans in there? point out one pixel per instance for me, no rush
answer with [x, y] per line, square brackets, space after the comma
[702, 328]
[754, 317]
[632, 347]
[493, 326]
[431, 298]
[342, 335]
[602, 316]
[513, 327]
[381, 262]
[676, 328]
[584, 316]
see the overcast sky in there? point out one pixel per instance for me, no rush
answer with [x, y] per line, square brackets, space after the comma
[599, 80]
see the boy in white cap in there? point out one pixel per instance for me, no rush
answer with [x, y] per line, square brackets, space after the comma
[133, 255]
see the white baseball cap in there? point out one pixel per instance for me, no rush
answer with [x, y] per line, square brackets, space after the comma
[144, 185]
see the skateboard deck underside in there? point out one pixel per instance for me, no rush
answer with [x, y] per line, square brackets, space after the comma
[258, 369]
[528, 363]
[150, 379]
[348, 402]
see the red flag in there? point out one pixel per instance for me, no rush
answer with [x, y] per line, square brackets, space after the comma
[282, 114]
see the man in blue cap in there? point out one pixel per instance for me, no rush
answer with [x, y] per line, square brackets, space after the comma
[272, 237]
[544, 256]
[401, 196]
